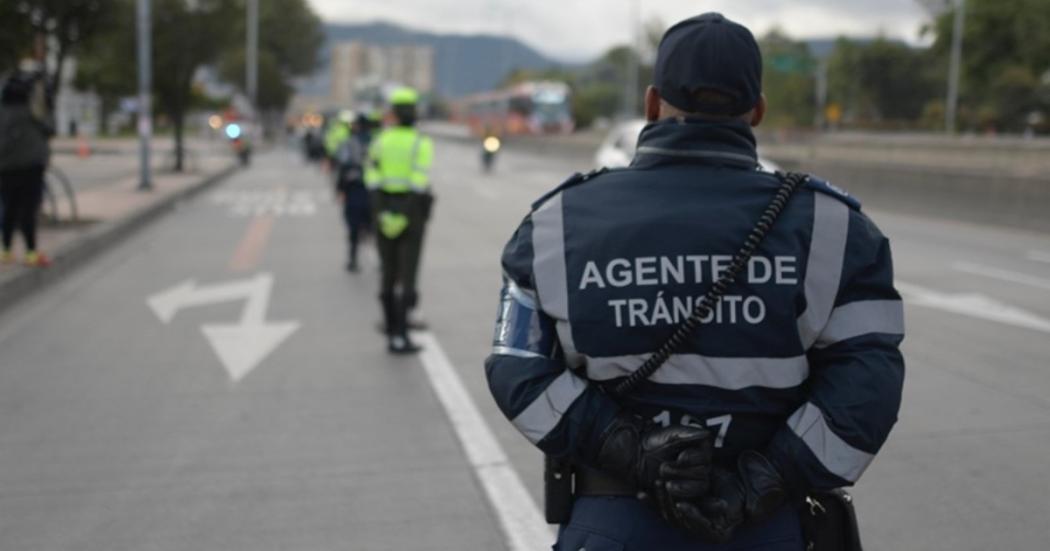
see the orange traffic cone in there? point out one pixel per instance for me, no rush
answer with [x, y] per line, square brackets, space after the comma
[83, 150]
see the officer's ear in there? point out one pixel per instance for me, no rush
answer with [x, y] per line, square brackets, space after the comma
[759, 112]
[652, 104]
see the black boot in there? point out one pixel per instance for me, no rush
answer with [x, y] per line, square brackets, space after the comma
[413, 323]
[398, 341]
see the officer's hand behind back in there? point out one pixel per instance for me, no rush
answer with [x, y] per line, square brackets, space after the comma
[748, 495]
[669, 464]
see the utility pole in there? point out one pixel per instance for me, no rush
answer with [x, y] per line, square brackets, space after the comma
[251, 57]
[952, 102]
[819, 119]
[145, 104]
[630, 107]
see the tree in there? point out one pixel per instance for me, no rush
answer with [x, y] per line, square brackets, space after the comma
[882, 82]
[788, 80]
[290, 40]
[1005, 67]
[17, 36]
[64, 23]
[186, 35]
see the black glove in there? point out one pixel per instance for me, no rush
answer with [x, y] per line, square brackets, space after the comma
[669, 465]
[749, 495]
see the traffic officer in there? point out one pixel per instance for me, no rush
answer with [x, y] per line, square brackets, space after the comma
[350, 185]
[796, 371]
[397, 176]
[337, 134]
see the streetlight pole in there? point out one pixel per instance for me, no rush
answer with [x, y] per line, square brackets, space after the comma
[145, 125]
[952, 101]
[633, 72]
[252, 53]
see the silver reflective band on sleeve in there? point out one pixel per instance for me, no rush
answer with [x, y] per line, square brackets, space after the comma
[522, 330]
[548, 260]
[517, 352]
[524, 297]
[838, 457]
[827, 249]
[544, 413]
[861, 318]
[548, 267]
[718, 372]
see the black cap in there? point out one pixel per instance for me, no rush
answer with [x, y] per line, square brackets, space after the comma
[709, 52]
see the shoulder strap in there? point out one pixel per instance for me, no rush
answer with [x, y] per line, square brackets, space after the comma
[789, 182]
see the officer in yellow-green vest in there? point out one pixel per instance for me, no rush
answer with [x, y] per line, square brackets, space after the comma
[397, 176]
[337, 134]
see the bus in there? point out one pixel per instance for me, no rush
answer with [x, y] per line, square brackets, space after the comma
[526, 108]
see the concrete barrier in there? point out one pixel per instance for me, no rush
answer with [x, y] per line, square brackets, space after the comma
[1000, 181]
[987, 197]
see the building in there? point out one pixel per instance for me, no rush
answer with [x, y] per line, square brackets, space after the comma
[356, 66]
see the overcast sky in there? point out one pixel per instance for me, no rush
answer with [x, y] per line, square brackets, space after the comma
[575, 30]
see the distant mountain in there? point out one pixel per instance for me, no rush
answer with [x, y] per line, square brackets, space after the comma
[463, 63]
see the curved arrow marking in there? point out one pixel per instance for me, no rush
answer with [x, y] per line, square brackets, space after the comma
[240, 346]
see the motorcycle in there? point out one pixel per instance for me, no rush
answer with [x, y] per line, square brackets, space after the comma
[489, 147]
[241, 147]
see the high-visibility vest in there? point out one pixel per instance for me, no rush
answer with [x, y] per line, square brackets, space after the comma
[398, 161]
[335, 137]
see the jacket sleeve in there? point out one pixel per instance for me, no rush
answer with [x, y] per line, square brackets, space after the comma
[856, 372]
[557, 410]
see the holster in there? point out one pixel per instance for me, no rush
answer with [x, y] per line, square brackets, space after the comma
[557, 489]
[829, 521]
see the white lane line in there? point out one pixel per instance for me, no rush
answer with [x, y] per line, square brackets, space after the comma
[1004, 275]
[1039, 256]
[973, 305]
[523, 526]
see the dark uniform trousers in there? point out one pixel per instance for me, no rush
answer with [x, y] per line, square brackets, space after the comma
[400, 256]
[626, 524]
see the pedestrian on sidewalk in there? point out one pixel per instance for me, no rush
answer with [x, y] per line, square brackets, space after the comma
[25, 127]
[397, 174]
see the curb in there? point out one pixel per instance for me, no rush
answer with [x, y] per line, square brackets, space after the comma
[81, 250]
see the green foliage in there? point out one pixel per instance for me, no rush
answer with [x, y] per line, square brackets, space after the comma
[1005, 62]
[788, 80]
[187, 36]
[290, 39]
[882, 82]
[17, 35]
[67, 23]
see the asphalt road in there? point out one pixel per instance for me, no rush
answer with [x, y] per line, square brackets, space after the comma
[217, 382]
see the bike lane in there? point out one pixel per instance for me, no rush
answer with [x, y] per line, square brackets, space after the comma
[217, 382]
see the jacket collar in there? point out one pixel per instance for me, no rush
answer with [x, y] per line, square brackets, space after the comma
[681, 140]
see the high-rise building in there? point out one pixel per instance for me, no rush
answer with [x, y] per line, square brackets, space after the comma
[356, 65]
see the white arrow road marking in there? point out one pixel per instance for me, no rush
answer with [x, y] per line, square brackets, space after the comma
[241, 346]
[1004, 275]
[1039, 256]
[523, 526]
[973, 305]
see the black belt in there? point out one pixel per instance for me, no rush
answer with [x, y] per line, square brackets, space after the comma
[590, 482]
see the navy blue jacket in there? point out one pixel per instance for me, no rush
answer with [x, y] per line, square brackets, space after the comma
[800, 359]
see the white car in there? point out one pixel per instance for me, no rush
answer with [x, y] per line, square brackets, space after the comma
[618, 148]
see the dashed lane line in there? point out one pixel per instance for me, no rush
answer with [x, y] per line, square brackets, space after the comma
[1001, 274]
[524, 528]
[974, 305]
[1039, 256]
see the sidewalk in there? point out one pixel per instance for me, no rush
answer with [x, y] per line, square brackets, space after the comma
[107, 213]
